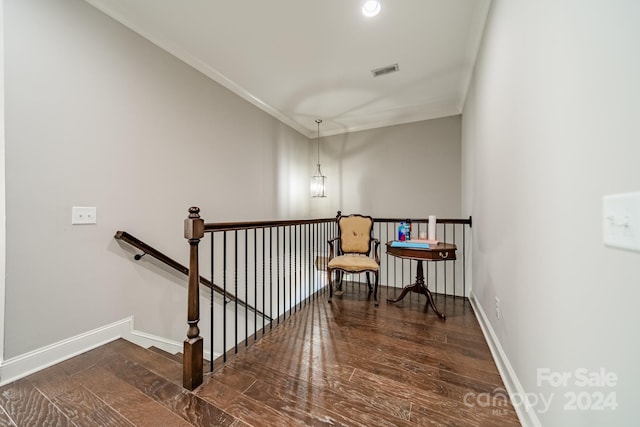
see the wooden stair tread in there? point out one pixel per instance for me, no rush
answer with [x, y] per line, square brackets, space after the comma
[119, 384]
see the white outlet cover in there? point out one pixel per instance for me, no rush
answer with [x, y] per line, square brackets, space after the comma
[621, 221]
[83, 215]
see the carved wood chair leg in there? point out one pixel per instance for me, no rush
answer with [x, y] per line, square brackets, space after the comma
[340, 285]
[330, 283]
[375, 291]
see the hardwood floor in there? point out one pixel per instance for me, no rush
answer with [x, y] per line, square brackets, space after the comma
[346, 363]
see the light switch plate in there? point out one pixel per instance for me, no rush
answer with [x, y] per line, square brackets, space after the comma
[621, 221]
[83, 215]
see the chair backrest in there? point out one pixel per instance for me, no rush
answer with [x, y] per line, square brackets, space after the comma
[355, 234]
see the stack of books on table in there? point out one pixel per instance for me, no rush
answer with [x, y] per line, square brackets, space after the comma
[415, 244]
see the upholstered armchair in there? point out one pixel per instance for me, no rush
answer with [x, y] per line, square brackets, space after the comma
[354, 251]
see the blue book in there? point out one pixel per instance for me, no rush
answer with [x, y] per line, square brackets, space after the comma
[409, 244]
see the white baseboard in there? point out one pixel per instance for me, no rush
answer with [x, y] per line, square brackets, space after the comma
[525, 413]
[146, 340]
[20, 366]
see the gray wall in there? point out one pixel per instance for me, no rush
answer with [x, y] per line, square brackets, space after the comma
[98, 116]
[406, 171]
[549, 127]
[3, 230]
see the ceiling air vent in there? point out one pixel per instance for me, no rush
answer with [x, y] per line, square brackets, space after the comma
[385, 70]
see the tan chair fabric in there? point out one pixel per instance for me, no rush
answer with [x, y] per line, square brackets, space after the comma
[355, 233]
[354, 263]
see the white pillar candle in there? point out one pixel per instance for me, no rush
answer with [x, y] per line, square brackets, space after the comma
[432, 227]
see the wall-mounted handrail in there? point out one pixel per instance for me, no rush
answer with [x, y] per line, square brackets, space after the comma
[149, 250]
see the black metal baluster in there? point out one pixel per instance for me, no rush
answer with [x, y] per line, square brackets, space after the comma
[444, 264]
[235, 285]
[278, 273]
[211, 301]
[318, 254]
[309, 273]
[255, 284]
[246, 287]
[303, 274]
[402, 263]
[410, 261]
[264, 311]
[395, 262]
[224, 292]
[301, 264]
[315, 258]
[290, 294]
[325, 249]
[271, 278]
[455, 262]
[464, 261]
[311, 269]
[316, 239]
[309, 263]
[295, 266]
[379, 237]
[435, 265]
[298, 265]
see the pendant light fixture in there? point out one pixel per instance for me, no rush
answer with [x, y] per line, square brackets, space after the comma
[318, 181]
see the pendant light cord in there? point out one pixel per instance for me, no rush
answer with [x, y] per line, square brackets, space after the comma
[318, 121]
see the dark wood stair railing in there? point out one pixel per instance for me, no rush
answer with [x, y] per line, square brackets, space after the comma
[194, 230]
[305, 251]
[193, 358]
[312, 238]
[148, 250]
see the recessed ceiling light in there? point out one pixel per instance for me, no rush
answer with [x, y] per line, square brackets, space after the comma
[371, 8]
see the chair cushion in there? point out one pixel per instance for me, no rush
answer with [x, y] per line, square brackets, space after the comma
[355, 234]
[353, 263]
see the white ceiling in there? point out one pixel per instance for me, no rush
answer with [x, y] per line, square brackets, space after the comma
[300, 60]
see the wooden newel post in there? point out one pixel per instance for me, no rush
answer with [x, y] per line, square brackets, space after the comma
[192, 365]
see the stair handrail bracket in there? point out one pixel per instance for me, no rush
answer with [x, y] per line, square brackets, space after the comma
[193, 345]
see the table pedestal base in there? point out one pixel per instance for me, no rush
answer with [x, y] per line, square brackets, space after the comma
[421, 288]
